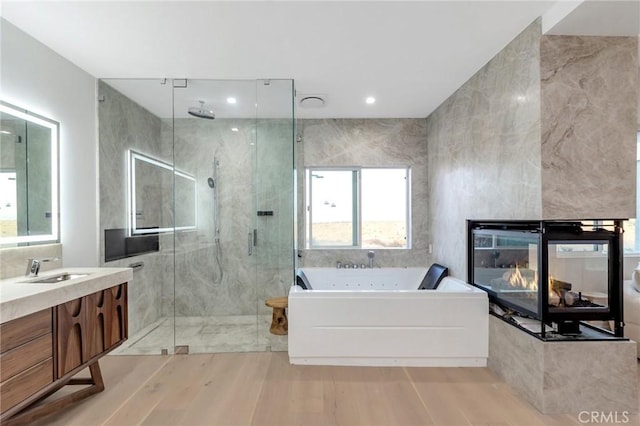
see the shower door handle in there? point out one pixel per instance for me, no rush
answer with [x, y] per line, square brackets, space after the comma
[250, 243]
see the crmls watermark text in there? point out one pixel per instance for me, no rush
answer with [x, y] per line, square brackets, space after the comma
[595, 417]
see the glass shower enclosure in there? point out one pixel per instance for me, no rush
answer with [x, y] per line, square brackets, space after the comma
[197, 195]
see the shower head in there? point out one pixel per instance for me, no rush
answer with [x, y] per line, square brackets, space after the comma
[201, 112]
[211, 182]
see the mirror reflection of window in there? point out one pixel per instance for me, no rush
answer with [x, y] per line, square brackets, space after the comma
[29, 168]
[8, 206]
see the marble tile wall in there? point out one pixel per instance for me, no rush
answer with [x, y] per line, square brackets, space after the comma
[518, 359]
[366, 142]
[565, 377]
[589, 101]
[262, 147]
[484, 149]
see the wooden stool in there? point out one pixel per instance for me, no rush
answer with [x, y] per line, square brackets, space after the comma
[279, 324]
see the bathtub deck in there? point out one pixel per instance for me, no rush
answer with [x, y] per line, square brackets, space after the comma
[263, 389]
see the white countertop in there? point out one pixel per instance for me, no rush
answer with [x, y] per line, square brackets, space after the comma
[19, 298]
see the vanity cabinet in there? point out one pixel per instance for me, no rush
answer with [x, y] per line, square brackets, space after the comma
[26, 357]
[41, 352]
[90, 326]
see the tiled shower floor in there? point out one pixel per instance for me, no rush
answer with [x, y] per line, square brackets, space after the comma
[215, 334]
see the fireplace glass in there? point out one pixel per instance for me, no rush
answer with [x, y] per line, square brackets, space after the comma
[565, 276]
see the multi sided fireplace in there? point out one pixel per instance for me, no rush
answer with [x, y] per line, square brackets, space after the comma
[557, 279]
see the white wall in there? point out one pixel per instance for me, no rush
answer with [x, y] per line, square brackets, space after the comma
[36, 78]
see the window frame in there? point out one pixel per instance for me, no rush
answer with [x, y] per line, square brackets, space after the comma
[356, 207]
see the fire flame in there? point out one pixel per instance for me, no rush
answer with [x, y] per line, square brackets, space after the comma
[517, 280]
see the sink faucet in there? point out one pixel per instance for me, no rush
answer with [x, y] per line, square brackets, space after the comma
[371, 255]
[33, 265]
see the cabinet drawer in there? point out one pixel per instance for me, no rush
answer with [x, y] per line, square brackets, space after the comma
[26, 356]
[21, 330]
[25, 384]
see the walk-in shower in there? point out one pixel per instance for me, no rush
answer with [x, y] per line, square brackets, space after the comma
[205, 287]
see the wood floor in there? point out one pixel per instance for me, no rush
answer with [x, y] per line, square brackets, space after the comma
[264, 389]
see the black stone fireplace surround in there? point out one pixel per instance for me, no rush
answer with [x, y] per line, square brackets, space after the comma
[580, 262]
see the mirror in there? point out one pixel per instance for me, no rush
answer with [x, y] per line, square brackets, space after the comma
[151, 186]
[28, 177]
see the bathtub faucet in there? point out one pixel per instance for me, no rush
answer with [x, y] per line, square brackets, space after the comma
[371, 255]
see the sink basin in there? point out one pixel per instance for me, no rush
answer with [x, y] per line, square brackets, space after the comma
[56, 278]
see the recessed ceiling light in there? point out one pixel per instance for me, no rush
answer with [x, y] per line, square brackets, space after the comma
[234, 129]
[231, 100]
[370, 100]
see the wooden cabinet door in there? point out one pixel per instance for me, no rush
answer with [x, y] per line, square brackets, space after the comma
[117, 325]
[106, 323]
[97, 309]
[90, 326]
[71, 321]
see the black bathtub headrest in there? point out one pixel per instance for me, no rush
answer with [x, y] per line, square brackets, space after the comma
[301, 280]
[434, 275]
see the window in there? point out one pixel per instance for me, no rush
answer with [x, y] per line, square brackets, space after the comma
[358, 207]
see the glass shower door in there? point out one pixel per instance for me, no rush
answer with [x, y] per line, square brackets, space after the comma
[233, 154]
[136, 204]
[274, 200]
[214, 145]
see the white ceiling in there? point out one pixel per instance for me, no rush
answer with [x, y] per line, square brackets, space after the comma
[410, 55]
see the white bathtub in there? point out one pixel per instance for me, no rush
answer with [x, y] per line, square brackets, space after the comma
[378, 317]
